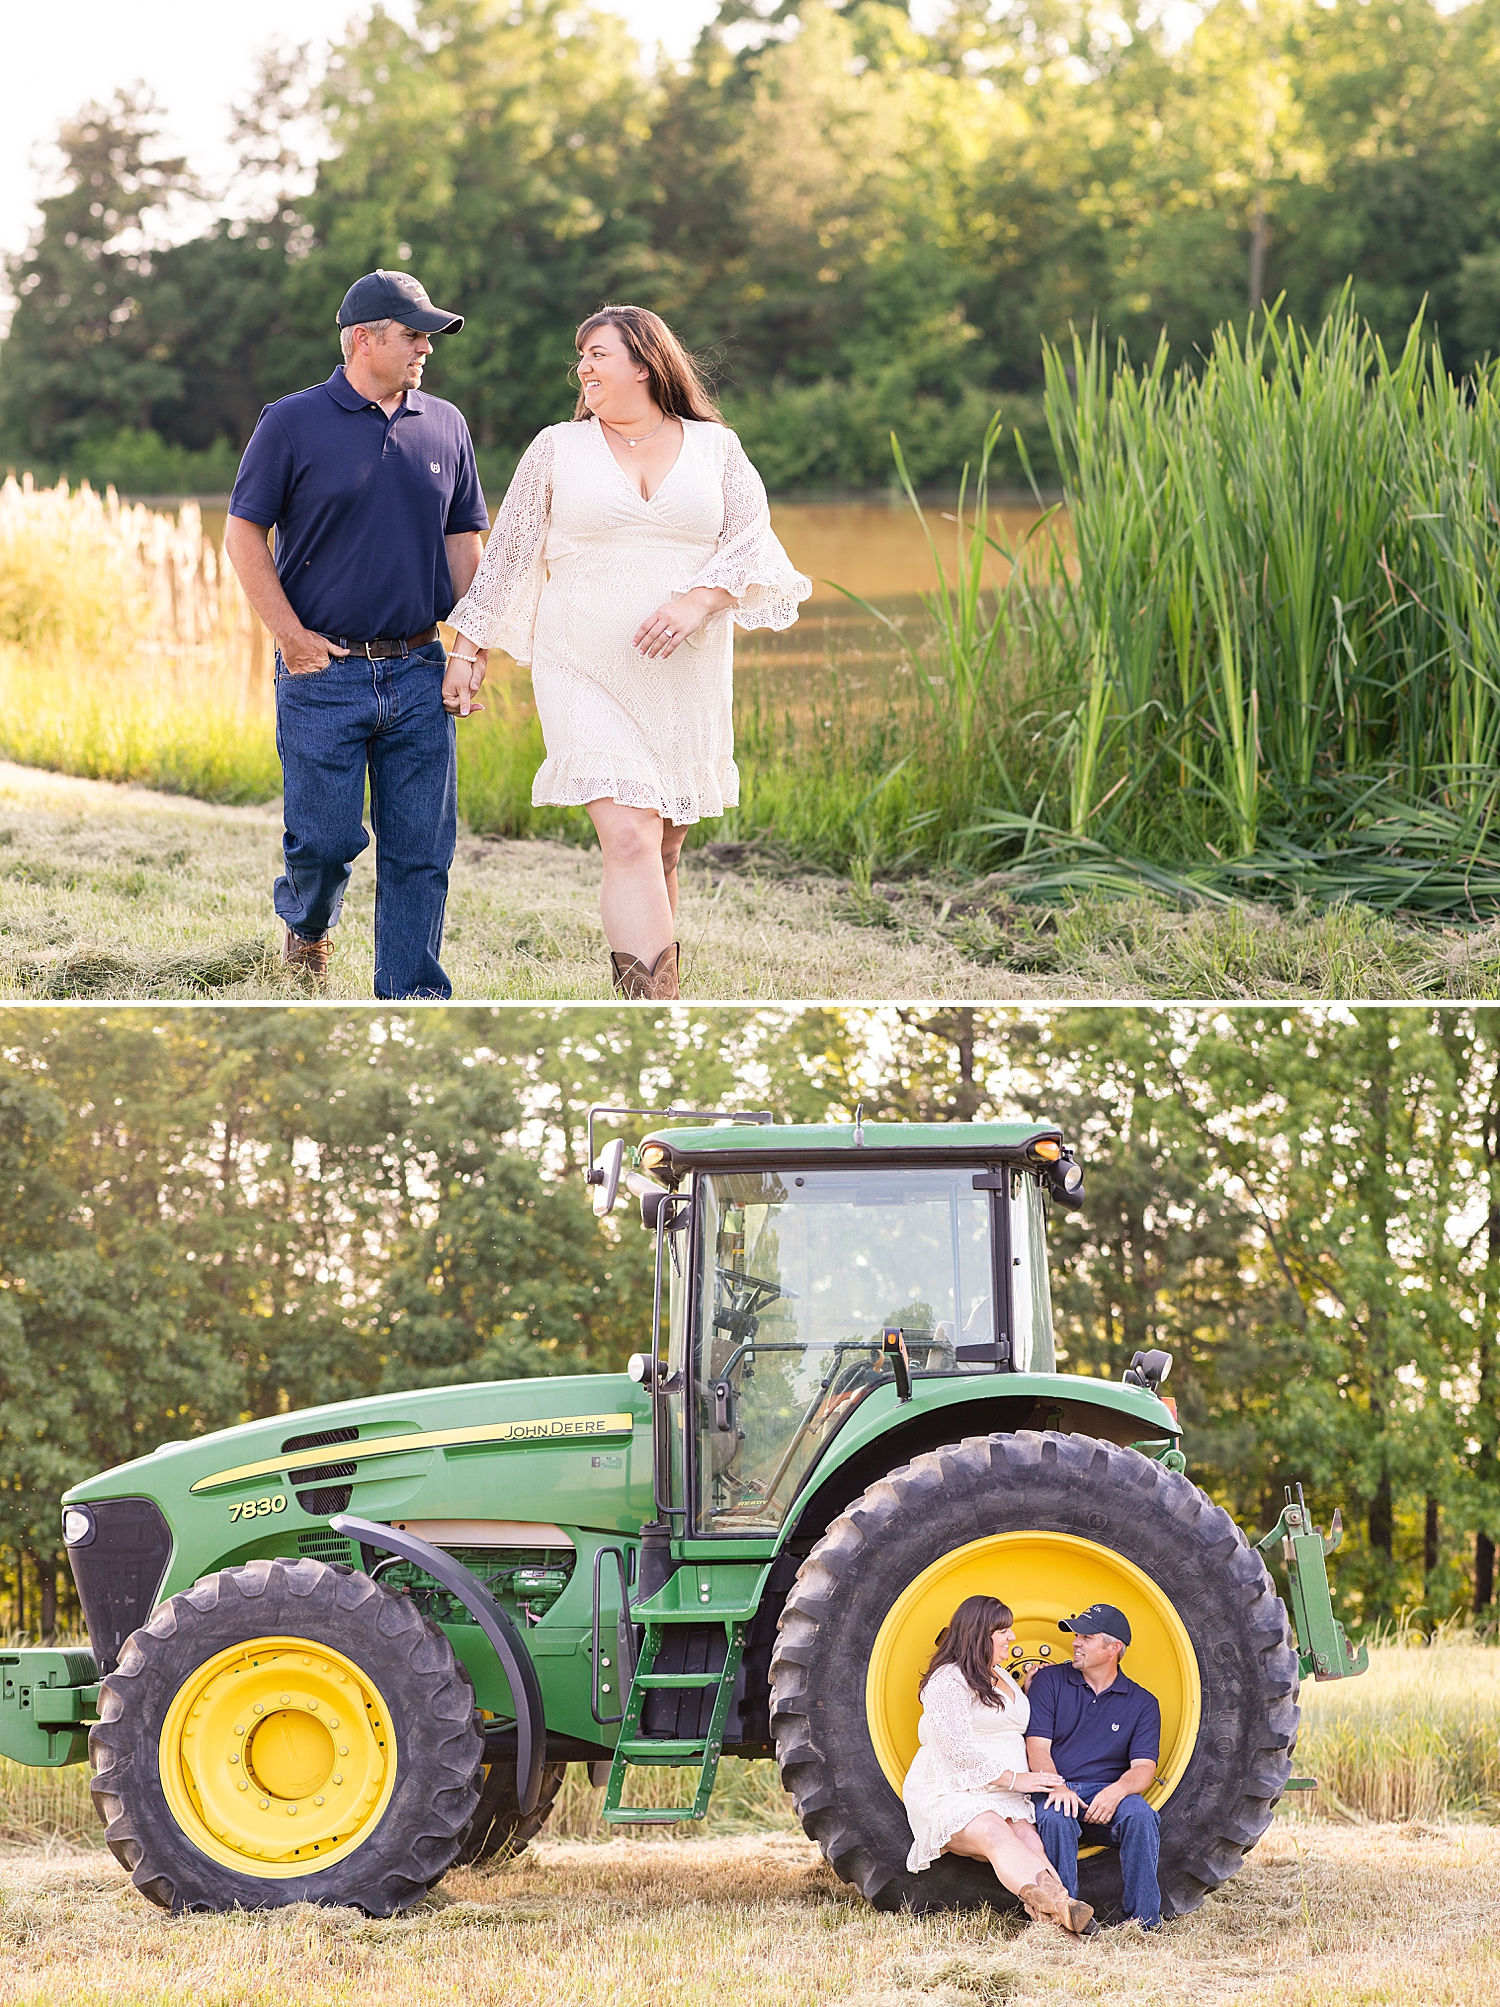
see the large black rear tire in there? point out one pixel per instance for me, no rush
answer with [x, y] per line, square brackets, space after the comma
[1101, 1497]
[499, 1826]
[250, 1621]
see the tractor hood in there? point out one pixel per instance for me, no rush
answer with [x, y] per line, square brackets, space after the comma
[453, 1421]
[501, 1454]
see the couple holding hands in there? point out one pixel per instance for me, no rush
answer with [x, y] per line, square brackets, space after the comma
[630, 542]
[1017, 1774]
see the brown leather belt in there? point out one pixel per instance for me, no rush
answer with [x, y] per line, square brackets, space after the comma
[383, 647]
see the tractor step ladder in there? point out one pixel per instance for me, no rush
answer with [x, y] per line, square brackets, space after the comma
[715, 1594]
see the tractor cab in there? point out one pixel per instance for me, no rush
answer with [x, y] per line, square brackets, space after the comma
[796, 1293]
[805, 1270]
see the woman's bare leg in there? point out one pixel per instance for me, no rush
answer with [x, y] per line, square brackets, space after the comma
[637, 901]
[1014, 1849]
[998, 1841]
[672, 839]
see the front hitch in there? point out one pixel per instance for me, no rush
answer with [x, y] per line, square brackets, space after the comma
[1323, 1651]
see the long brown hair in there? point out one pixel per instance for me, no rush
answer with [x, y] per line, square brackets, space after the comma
[674, 381]
[965, 1642]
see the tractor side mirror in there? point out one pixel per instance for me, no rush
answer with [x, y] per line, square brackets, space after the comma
[605, 1177]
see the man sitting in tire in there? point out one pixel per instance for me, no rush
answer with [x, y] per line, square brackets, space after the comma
[1101, 1732]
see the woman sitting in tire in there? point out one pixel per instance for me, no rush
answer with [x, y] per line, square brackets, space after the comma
[964, 1793]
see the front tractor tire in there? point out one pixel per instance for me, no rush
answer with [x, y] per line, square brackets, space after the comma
[286, 1732]
[1049, 1523]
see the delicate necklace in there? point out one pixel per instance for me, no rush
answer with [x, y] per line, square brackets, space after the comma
[633, 443]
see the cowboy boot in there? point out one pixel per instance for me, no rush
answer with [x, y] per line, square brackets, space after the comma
[656, 981]
[311, 957]
[1052, 1901]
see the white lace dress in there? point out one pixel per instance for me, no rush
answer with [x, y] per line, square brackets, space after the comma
[575, 562]
[964, 1747]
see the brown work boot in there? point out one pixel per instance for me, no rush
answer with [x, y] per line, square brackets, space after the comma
[297, 952]
[1050, 1900]
[658, 982]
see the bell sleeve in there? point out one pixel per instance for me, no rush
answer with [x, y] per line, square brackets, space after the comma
[948, 1717]
[499, 609]
[750, 563]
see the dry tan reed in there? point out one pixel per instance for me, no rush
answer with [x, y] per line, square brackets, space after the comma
[127, 649]
[1416, 1737]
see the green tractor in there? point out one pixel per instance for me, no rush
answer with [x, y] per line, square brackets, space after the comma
[336, 1653]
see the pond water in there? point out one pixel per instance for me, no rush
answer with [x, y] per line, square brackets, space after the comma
[837, 651]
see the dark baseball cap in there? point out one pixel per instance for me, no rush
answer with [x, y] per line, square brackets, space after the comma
[395, 296]
[1100, 1617]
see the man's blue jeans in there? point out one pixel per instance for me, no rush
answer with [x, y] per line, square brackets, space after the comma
[1137, 1834]
[332, 727]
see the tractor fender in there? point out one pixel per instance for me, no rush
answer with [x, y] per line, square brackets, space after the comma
[884, 1432]
[498, 1626]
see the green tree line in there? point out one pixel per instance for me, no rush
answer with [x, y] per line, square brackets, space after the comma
[861, 223]
[208, 1216]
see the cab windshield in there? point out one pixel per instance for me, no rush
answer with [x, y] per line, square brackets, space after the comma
[799, 1276]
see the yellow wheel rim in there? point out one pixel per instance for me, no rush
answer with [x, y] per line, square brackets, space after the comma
[277, 1757]
[1042, 1576]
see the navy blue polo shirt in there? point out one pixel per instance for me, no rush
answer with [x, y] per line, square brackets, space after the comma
[361, 504]
[1095, 1737]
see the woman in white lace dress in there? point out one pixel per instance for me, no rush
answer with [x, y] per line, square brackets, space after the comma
[965, 1791]
[629, 544]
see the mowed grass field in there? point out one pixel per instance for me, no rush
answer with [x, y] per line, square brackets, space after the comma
[108, 891]
[1395, 1899]
[1319, 1915]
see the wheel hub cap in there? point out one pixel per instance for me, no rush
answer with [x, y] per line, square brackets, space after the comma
[277, 1756]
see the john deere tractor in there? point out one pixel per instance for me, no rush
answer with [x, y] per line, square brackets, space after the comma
[333, 1654]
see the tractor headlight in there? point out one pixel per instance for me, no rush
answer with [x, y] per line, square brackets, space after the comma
[1064, 1180]
[1148, 1370]
[78, 1526]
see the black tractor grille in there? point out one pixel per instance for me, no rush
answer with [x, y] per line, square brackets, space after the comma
[321, 1545]
[326, 1497]
[119, 1572]
[324, 1439]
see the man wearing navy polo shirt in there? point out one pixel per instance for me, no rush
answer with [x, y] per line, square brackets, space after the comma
[379, 519]
[1102, 1733]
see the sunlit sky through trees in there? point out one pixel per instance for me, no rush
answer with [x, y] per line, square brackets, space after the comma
[197, 61]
